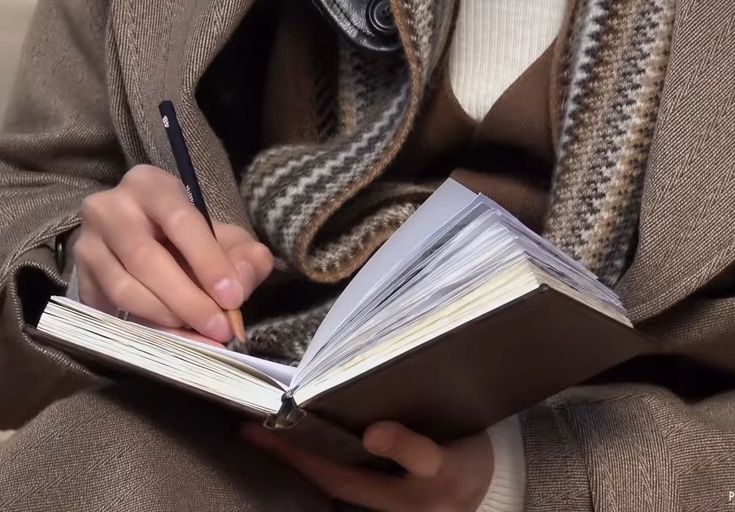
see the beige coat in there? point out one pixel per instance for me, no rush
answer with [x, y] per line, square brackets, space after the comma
[85, 110]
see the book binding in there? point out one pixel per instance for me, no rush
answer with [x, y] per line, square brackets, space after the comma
[288, 416]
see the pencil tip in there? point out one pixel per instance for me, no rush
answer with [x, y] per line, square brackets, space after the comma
[236, 322]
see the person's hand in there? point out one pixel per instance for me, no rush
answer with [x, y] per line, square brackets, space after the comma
[449, 478]
[143, 248]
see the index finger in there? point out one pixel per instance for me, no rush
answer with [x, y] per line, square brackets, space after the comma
[169, 208]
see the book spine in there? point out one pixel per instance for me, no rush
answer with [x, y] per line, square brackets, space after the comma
[288, 416]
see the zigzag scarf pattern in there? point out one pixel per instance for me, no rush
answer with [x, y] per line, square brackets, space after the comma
[292, 191]
[616, 53]
[324, 210]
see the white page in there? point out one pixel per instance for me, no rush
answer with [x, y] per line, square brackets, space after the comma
[513, 282]
[449, 200]
[480, 250]
[279, 372]
[162, 356]
[476, 251]
[518, 226]
[401, 273]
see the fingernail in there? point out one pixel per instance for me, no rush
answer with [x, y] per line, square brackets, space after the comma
[229, 293]
[219, 328]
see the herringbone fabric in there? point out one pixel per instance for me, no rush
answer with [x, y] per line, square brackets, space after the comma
[85, 110]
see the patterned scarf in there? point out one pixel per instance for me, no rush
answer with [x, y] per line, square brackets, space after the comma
[608, 76]
[611, 72]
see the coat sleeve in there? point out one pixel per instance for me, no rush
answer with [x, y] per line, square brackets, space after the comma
[668, 444]
[629, 447]
[57, 145]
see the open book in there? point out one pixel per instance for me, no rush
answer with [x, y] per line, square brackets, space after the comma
[463, 317]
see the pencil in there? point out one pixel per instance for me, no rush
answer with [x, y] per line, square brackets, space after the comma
[193, 190]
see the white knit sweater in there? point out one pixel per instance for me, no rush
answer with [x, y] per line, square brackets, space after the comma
[494, 43]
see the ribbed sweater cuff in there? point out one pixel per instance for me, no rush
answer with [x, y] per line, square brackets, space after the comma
[506, 490]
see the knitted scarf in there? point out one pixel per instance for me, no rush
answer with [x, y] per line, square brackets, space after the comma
[324, 208]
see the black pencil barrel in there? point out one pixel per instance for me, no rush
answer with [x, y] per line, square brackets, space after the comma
[182, 158]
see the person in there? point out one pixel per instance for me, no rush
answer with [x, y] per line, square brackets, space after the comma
[606, 126]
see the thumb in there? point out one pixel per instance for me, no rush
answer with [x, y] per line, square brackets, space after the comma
[417, 454]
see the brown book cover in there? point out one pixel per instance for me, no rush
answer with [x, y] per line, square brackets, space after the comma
[487, 369]
[454, 385]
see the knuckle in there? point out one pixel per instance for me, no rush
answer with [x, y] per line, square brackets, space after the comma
[111, 205]
[81, 251]
[261, 259]
[119, 293]
[136, 173]
[140, 259]
[263, 255]
[94, 206]
[169, 181]
[178, 219]
[140, 171]
[144, 175]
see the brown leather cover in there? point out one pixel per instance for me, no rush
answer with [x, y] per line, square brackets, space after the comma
[455, 385]
[486, 370]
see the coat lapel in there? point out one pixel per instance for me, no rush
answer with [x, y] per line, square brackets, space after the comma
[687, 220]
[164, 47]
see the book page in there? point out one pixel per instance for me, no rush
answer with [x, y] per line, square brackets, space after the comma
[464, 262]
[278, 374]
[444, 265]
[216, 371]
[510, 284]
[450, 202]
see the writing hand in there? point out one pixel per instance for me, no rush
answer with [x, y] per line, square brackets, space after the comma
[145, 249]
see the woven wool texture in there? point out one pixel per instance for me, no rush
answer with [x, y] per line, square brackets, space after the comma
[292, 190]
[612, 65]
[616, 55]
